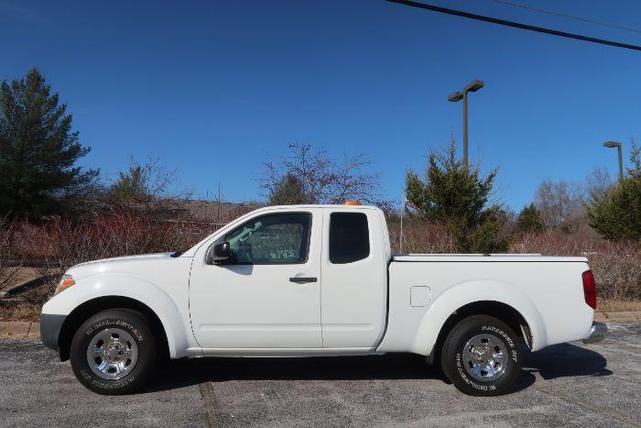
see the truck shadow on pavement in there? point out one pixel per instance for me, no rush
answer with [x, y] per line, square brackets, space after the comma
[553, 362]
[566, 360]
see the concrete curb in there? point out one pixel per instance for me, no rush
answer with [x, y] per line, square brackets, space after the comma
[31, 329]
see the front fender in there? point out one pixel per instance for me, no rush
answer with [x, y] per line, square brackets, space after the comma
[122, 285]
[475, 291]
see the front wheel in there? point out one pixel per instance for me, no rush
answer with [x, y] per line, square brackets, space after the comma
[480, 356]
[113, 352]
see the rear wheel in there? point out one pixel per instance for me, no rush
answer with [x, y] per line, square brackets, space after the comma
[480, 356]
[113, 352]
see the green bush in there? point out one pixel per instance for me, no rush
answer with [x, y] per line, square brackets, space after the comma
[530, 220]
[617, 215]
[457, 196]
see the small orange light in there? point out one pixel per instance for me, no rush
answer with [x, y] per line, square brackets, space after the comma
[66, 282]
[351, 203]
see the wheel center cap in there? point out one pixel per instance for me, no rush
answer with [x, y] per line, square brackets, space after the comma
[114, 352]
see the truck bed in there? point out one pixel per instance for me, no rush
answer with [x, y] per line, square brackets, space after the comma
[424, 290]
[482, 258]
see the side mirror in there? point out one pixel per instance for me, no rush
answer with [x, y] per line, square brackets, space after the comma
[219, 254]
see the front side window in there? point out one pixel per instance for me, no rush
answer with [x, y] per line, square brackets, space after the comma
[271, 239]
[348, 237]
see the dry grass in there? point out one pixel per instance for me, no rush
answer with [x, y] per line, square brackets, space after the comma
[619, 305]
[8, 254]
[61, 244]
[616, 265]
[21, 312]
[420, 237]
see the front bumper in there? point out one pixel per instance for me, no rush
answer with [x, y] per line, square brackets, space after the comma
[598, 332]
[50, 326]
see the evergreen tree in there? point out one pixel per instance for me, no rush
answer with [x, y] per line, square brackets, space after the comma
[38, 151]
[132, 185]
[616, 212]
[635, 158]
[457, 196]
[617, 215]
[530, 220]
[288, 191]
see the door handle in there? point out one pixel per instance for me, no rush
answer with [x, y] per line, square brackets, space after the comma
[303, 279]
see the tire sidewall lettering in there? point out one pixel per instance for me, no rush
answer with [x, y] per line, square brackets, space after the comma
[461, 371]
[117, 323]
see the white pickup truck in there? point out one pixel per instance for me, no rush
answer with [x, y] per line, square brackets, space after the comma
[316, 280]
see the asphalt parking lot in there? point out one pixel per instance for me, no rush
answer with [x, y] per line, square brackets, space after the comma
[569, 384]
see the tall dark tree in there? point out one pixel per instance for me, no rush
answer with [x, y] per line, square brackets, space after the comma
[39, 151]
[618, 214]
[530, 220]
[457, 196]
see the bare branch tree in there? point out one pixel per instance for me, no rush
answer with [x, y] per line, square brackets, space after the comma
[559, 202]
[317, 178]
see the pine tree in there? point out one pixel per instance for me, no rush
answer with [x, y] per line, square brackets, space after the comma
[457, 196]
[38, 151]
[618, 214]
[530, 220]
[288, 191]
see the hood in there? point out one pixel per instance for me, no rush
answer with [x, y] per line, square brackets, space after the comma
[155, 256]
[127, 264]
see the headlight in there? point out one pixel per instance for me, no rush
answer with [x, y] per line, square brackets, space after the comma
[66, 282]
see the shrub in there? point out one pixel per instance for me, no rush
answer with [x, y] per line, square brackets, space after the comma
[530, 220]
[456, 196]
[617, 215]
[616, 265]
[9, 258]
[62, 243]
[420, 237]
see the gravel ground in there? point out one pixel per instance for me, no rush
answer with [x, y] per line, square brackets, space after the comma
[570, 384]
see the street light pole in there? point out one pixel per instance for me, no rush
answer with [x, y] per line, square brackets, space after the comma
[612, 145]
[465, 134]
[462, 95]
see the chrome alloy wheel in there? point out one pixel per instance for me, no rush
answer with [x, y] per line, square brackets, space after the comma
[485, 357]
[112, 353]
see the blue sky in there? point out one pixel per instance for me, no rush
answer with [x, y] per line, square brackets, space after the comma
[214, 89]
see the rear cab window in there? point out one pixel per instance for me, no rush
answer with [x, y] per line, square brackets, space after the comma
[348, 237]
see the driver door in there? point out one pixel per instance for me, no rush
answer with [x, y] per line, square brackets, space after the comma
[268, 295]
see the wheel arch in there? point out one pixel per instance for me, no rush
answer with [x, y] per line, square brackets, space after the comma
[91, 307]
[494, 298]
[499, 310]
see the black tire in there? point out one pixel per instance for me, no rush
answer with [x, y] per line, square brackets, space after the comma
[137, 335]
[458, 365]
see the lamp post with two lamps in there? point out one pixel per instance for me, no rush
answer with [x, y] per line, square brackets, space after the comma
[473, 86]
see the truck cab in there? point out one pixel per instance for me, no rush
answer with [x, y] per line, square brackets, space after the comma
[276, 286]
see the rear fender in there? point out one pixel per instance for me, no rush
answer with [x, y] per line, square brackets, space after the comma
[470, 292]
